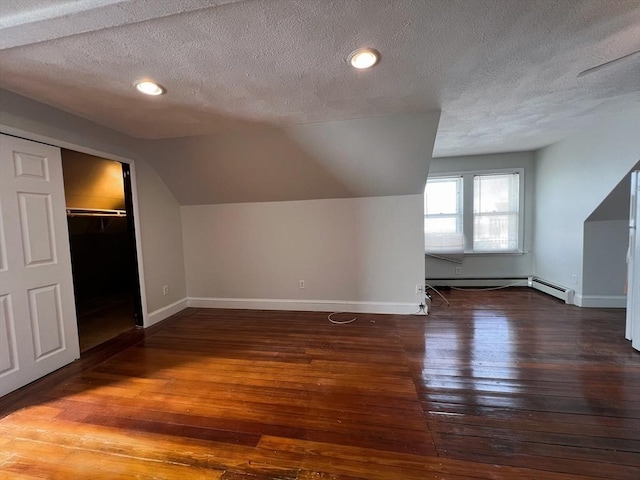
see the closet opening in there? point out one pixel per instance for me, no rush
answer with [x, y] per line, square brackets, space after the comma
[102, 241]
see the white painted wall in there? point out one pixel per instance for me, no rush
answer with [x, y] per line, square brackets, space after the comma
[365, 253]
[161, 235]
[362, 252]
[159, 215]
[606, 241]
[605, 262]
[572, 178]
[485, 265]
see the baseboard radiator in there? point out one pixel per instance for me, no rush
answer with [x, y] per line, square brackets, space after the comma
[478, 282]
[549, 288]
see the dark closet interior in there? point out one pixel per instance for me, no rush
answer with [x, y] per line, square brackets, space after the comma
[102, 247]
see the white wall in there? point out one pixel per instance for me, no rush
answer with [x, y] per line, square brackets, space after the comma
[493, 265]
[161, 236]
[605, 263]
[606, 241]
[572, 178]
[159, 214]
[362, 254]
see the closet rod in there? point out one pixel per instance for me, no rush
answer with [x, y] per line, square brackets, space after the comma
[95, 212]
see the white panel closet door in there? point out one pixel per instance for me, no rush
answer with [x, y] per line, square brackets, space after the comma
[38, 330]
[633, 283]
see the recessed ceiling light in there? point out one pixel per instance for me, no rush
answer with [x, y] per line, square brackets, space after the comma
[149, 88]
[364, 58]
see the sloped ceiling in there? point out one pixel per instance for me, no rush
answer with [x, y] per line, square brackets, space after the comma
[503, 72]
[377, 156]
[616, 205]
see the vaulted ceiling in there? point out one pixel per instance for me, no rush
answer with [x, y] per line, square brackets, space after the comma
[503, 72]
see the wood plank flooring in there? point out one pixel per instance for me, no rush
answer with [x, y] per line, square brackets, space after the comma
[508, 384]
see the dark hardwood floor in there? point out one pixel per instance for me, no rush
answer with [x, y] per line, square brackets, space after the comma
[508, 384]
[103, 318]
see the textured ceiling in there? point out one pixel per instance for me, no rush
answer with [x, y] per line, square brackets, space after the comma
[503, 72]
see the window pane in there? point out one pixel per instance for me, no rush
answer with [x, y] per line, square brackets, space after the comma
[496, 193]
[442, 196]
[496, 212]
[495, 232]
[444, 224]
[443, 234]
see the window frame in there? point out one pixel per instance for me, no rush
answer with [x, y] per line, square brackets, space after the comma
[468, 210]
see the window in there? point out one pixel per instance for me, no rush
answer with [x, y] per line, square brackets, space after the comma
[474, 212]
[443, 215]
[496, 200]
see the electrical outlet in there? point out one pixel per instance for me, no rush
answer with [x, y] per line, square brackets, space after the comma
[574, 278]
[418, 289]
[301, 283]
[458, 270]
[165, 289]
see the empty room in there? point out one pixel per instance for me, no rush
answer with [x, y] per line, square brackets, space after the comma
[320, 239]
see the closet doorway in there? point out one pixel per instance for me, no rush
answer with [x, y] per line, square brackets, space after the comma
[103, 253]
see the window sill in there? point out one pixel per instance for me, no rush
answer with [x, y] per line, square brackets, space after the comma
[478, 254]
[493, 254]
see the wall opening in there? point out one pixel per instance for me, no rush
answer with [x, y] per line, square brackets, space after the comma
[102, 242]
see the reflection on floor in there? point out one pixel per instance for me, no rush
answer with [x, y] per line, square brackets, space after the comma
[101, 319]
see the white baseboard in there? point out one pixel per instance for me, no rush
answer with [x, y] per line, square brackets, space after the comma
[304, 305]
[165, 312]
[594, 301]
[601, 301]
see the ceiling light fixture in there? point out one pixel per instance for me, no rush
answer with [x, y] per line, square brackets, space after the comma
[149, 88]
[364, 58]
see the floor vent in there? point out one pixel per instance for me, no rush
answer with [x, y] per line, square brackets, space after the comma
[549, 288]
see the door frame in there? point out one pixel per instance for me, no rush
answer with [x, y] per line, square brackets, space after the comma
[25, 134]
[131, 237]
